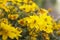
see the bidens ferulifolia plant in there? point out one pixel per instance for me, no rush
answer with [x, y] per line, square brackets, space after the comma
[25, 20]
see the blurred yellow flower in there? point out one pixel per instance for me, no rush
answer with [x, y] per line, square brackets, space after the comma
[36, 22]
[3, 2]
[3, 5]
[13, 16]
[43, 11]
[9, 31]
[42, 22]
[21, 22]
[4, 20]
[29, 7]
[34, 6]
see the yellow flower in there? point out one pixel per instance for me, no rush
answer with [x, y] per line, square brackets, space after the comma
[21, 22]
[4, 20]
[18, 0]
[9, 31]
[13, 16]
[26, 8]
[48, 23]
[34, 6]
[3, 1]
[25, 1]
[4, 7]
[33, 33]
[42, 22]
[57, 26]
[3, 4]
[29, 7]
[48, 29]
[43, 11]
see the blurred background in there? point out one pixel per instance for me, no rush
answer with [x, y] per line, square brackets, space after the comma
[53, 5]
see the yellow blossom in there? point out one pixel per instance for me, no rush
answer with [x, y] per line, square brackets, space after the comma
[34, 6]
[13, 16]
[26, 8]
[3, 1]
[21, 22]
[42, 22]
[8, 31]
[42, 11]
[29, 7]
[4, 20]
[3, 5]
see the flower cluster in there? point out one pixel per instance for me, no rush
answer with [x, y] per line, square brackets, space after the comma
[9, 31]
[24, 20]
[42, 22]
